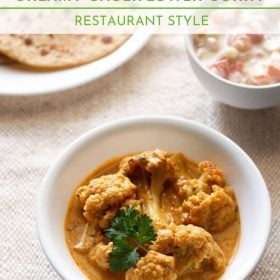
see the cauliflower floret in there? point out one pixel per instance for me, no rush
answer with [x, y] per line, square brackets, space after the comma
[154, 266]
[165, 238]
[211, 174]
[150, 161]
[187, 188]
[159, 168]
[136, 203]
[208, 202]
[104, 221]
[213, 211]
[196, 248]
[192, 246]
[99, 255]
[104, 192]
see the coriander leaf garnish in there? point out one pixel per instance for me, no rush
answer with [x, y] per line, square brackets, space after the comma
[123, 256]
[123, 224]
[145, 233]
[130, 231]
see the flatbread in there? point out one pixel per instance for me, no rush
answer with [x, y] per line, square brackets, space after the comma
[5, 60]
[58, 51]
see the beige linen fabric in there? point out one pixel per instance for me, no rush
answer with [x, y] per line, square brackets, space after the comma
[34, 130]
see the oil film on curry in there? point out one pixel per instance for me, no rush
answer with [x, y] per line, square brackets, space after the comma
[152, 214]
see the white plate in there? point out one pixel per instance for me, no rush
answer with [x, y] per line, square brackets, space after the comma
[16, 80]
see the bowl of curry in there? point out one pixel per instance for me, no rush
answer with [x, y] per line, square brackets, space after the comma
[153, 198]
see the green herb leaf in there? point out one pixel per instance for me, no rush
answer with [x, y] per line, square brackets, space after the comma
[129, 231]
[123, 256]
[145, 233]
[124, 224]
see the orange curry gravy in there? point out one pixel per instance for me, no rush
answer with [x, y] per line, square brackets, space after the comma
[75, 223]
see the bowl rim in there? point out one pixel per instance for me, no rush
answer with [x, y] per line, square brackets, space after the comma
[190, 49]
[73, 147]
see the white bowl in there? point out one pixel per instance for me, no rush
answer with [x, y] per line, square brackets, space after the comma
[237, 95]
[145, 133]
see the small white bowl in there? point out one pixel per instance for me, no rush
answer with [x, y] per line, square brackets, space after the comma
[236, 95]
[146, 133]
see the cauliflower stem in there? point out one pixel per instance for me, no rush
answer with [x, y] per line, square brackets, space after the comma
[153, 204]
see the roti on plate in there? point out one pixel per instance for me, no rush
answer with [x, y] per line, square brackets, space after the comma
[4, 59]
[58, 51]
